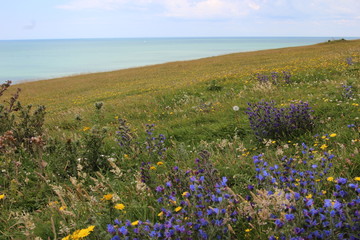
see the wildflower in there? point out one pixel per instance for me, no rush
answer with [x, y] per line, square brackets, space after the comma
[159, 163]
[161, 214]
[82, 232]
[107, 197]
[333, 135]
[67, 237]
[341, 180]
[185, 194]
[357, 178]
[86, 129]
[309, 196]
[289, 217]
[236, 108]
[62, 208]
[135, 223]
[152, 168]
[248, 230]
[126, 156]
[178, 209]
[323, 192]
[323, 147]
[120, 206]
[279, 223]
[330, 179]
[2, 196]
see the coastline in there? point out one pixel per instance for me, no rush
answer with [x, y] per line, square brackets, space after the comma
[142, 52]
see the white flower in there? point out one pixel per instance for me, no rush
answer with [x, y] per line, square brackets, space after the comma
[236, 108]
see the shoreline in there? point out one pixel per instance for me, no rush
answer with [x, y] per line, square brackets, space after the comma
[149, 59]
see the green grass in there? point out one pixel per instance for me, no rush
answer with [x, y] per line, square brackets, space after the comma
[191, 102]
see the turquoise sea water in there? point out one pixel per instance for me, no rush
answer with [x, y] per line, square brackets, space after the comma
[29, 60]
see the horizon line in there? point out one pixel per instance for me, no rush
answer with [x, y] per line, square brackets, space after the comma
[172, 37]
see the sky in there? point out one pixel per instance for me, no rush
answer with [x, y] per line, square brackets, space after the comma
[62, 19]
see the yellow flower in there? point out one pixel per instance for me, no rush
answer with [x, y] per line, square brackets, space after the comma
[120, 206]
[82, 233]
[330, 179]
[333, 135]
[86, 128]
[309, 196]
[126, 156]
[135, 223]
[178, 209]
[2, 196]
[107, 197]
[248, 230]
[67, 237]
[184, 194]
[62, 208]
[323, 192]
[357, 178]
[323, 147]
[159, 163]
[317, 180]
[160, 214]
[152, 168]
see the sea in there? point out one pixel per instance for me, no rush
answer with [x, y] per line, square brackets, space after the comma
[31, 60]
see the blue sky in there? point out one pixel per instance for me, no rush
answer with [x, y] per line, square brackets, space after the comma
[47, 19]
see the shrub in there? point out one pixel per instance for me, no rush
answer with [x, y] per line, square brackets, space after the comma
[24, 123]
[268, 121]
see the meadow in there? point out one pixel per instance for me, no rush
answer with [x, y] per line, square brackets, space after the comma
[256, 145]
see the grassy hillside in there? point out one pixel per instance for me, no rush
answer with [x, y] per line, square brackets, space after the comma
[122, 144]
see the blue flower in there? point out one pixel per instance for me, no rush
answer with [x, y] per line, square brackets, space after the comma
[289, 217]
[341, 180]
[111, 229]
[279, 223]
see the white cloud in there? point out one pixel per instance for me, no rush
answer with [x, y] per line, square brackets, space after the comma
[175, 8]
[209, 8]
[92, 4]
[212, 9]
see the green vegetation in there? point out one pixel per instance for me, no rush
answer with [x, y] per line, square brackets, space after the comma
[107, 146]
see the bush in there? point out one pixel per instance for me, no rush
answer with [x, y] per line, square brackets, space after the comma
[268, 121]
